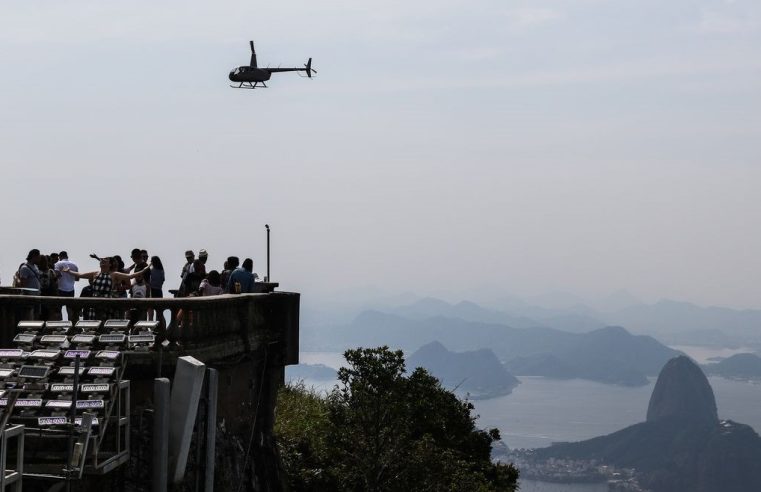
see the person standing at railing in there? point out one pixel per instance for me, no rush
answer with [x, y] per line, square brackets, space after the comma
[189, 258]
[28, 275]
[194, 277]
[156, 281]
[48, 278]
[120, 286]
[231, 264]
[139, 290]
[140, 262]
[211, 285]
[242, 278]
[66, 280]
[203, 257]
[103, 282]
[48, 287]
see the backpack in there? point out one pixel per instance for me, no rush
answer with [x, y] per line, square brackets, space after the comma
[17, 276]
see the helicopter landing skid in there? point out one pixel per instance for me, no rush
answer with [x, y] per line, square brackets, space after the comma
[249, 85]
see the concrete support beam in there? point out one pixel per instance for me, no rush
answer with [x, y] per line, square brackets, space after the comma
[211, 429]
[160, 435]
[186, 393]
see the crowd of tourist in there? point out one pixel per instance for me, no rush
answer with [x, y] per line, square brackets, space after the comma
[55, 275]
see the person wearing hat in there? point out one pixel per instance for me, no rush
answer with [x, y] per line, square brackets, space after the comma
[202, 257]
[189, 259]
[196, 273]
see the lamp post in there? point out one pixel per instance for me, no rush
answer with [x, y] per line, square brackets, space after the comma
[269, 278]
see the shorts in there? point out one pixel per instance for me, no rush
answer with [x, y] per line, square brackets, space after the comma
[157, 293]
[65, 293]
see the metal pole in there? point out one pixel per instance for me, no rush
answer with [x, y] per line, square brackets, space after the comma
[200, 441]
[160, 434]
[211, 429]
[269, 278]
[72, 416]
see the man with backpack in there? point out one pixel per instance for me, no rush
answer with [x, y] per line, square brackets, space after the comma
[28, 275]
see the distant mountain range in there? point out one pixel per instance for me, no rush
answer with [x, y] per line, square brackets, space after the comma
[672, 322]
[682, 446]
[567, 340]
[685, 323]
[478, 373]
[576, 320]
[609, 355]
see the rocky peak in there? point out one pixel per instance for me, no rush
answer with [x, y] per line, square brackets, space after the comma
[682, 391]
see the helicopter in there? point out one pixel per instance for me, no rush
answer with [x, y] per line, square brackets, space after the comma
[251, 76]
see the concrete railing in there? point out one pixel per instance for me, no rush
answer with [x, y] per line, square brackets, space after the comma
[211, 328]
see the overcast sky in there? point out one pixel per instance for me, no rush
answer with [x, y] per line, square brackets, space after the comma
[577, 145]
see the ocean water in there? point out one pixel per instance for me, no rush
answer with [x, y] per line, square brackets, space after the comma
[541, 411]
[703, 355]
[534, 486]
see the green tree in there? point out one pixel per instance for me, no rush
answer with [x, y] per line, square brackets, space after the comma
[302, 428]
[381, 430]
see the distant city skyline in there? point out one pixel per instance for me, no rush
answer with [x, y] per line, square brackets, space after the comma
[582, 146]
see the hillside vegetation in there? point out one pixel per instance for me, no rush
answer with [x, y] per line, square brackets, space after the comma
[384, 430]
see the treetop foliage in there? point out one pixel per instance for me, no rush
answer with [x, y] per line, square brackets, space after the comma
[383, 430]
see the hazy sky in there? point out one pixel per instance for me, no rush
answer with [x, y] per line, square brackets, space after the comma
[575, 145]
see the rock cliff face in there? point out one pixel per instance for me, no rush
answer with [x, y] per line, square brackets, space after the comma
[682, 391]
[682, 447]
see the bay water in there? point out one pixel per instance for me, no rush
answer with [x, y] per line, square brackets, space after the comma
[541, 411]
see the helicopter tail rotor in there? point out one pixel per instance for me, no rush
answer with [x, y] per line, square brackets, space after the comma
[307, 69]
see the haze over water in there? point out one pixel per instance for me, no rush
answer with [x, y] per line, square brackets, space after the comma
[541, 411]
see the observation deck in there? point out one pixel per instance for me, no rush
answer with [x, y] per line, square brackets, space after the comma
[248, 339]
